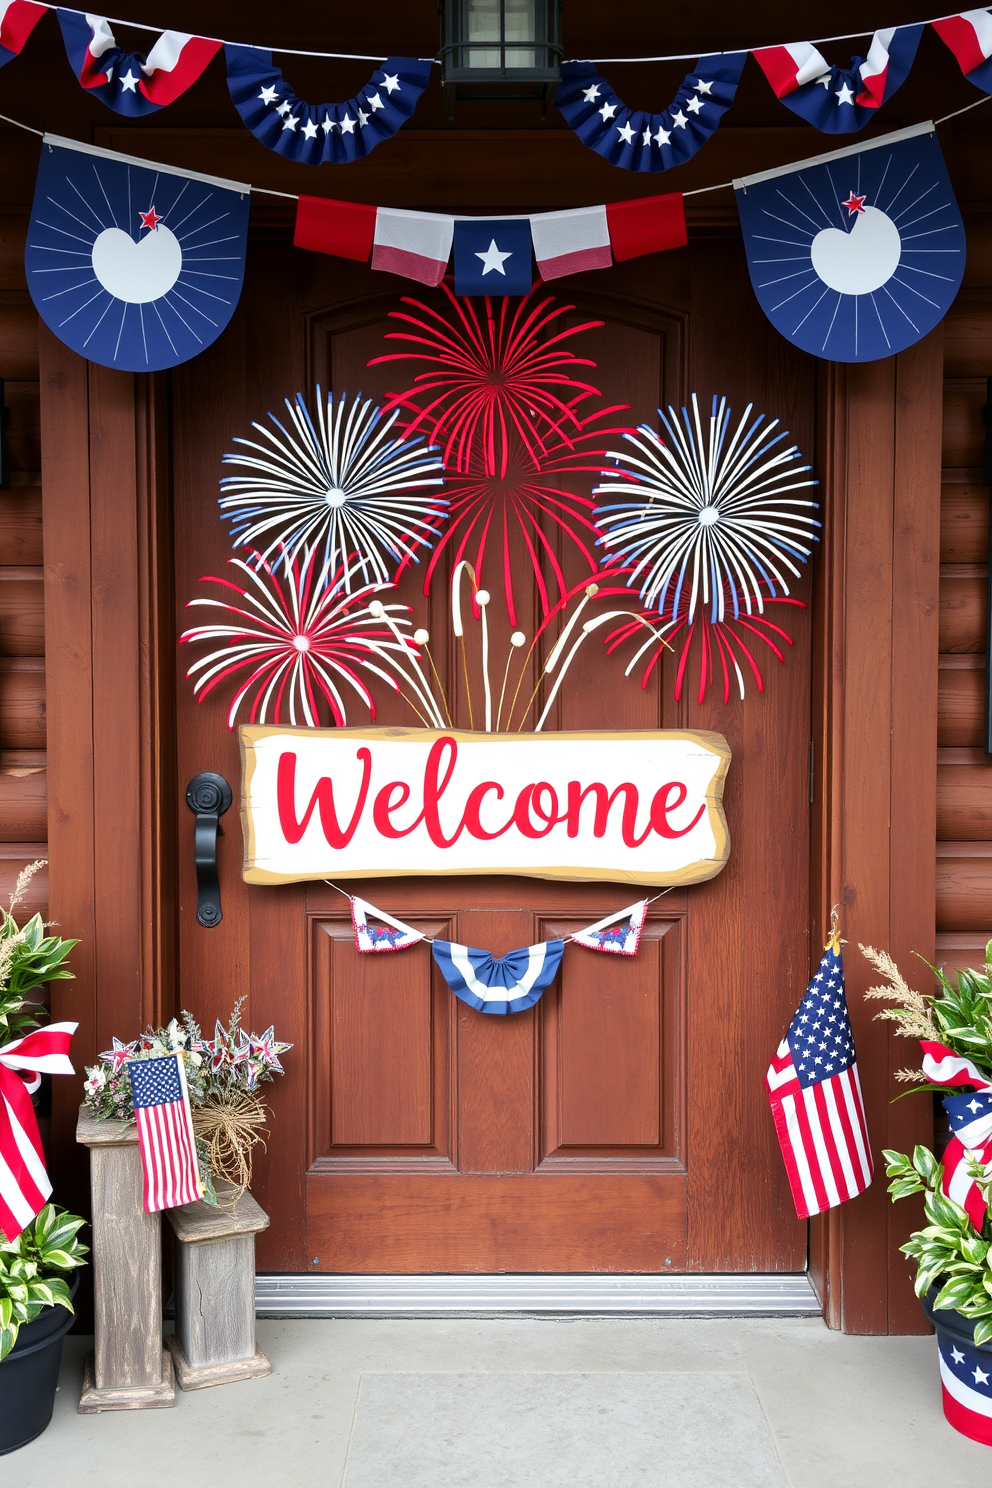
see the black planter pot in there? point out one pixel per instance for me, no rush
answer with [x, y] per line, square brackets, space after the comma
[29, 1375]
[965, 1371]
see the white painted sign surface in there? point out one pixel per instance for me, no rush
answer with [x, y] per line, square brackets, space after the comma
[634, 807]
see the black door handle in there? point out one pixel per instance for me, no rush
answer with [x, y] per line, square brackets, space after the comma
[209, 796]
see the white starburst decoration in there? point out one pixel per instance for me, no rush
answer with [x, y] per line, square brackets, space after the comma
[710, 510]
[341, 484]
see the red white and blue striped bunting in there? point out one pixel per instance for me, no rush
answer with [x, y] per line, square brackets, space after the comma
[970, 1115]
[18, 19]
[128, 82]
[840, 100]
[969, 37]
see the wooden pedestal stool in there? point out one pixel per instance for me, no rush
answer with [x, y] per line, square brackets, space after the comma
[214, 1341]
[129, 1369]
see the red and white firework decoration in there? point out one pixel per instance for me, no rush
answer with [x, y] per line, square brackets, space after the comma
[502, 396]
[297, 641]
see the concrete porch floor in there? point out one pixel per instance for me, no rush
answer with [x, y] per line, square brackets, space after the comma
[532, 1403]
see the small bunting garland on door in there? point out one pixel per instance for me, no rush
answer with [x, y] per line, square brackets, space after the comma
[619, 934]
[388, 935]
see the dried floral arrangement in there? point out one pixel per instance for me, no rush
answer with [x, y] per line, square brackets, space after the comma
[953, 1025]
[223, 1075]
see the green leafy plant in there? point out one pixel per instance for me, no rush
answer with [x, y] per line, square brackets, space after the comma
[950, 1253]
[949, 1250]
[33, 1269]
[28, 959]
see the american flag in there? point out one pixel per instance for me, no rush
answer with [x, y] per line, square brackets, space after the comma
[816, 1099]
[165, 1132]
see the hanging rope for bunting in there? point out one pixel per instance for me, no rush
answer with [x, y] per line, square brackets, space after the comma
[639, 141]
[319, 133]
[128, 82]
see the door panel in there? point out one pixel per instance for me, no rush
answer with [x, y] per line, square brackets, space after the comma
[621, 1124]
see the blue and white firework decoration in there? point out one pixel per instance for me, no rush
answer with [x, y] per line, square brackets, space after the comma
[341, 483]
[708, 520]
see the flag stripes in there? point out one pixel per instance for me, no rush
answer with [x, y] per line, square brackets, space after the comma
[816, 1099]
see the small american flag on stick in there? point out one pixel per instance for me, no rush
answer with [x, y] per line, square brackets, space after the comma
[816, 1099]
[165, 1132]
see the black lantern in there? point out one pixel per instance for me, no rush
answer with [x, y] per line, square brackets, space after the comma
[500, 49]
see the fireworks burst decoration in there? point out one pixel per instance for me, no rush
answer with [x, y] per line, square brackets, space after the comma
[710, 531]
[727, 650]
[501, 398]
[491, 376]
[340, 484]
[296, 638]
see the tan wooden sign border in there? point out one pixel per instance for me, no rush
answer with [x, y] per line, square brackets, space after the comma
[698, 872]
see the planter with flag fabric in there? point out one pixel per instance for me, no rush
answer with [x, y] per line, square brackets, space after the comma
[965, 1371]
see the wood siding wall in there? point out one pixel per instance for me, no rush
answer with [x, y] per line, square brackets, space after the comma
[23, 773]
[964, 770]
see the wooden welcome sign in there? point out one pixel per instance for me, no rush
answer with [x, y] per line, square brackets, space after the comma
[644, 808]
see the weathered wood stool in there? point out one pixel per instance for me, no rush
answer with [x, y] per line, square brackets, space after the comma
[215, 1291]
[128, 1369]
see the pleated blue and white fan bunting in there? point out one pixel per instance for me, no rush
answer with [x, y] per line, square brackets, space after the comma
[619, 933]
[857, 254]
[318, 133]
[638, 141]
[389, 935]
[499, 984]
[133, 266]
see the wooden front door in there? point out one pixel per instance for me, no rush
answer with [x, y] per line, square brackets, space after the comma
[621, 1124]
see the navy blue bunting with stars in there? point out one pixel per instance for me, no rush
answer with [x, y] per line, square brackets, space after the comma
[636, 140]
[820, 1037]
[322, 133]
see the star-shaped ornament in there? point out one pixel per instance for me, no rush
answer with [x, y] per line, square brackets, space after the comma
[376, 102]
[290, 122]
[282, 108]
[844, 94]
[607, 111]
[626, 133]
[694, 105]
[327, 124]
[150, 219]
[590, 94]
[310, 130]
[347, 125]
[663, 136]
[391, 82]
[269, 95]
[855, 203]
[703, 87]
[680, 119]
[129, 82]
[493, 260]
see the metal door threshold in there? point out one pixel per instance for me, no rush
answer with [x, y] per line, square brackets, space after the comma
[787, 1295]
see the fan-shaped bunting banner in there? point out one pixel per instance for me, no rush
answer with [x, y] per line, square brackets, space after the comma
[318, 133]
[638, 141]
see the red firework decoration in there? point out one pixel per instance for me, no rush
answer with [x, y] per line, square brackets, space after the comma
[726, 648]
[297, 637]
[501, 396]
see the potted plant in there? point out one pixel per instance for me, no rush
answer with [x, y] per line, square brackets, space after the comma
[35, 1296]
[35, 1314]
[953, 1251]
